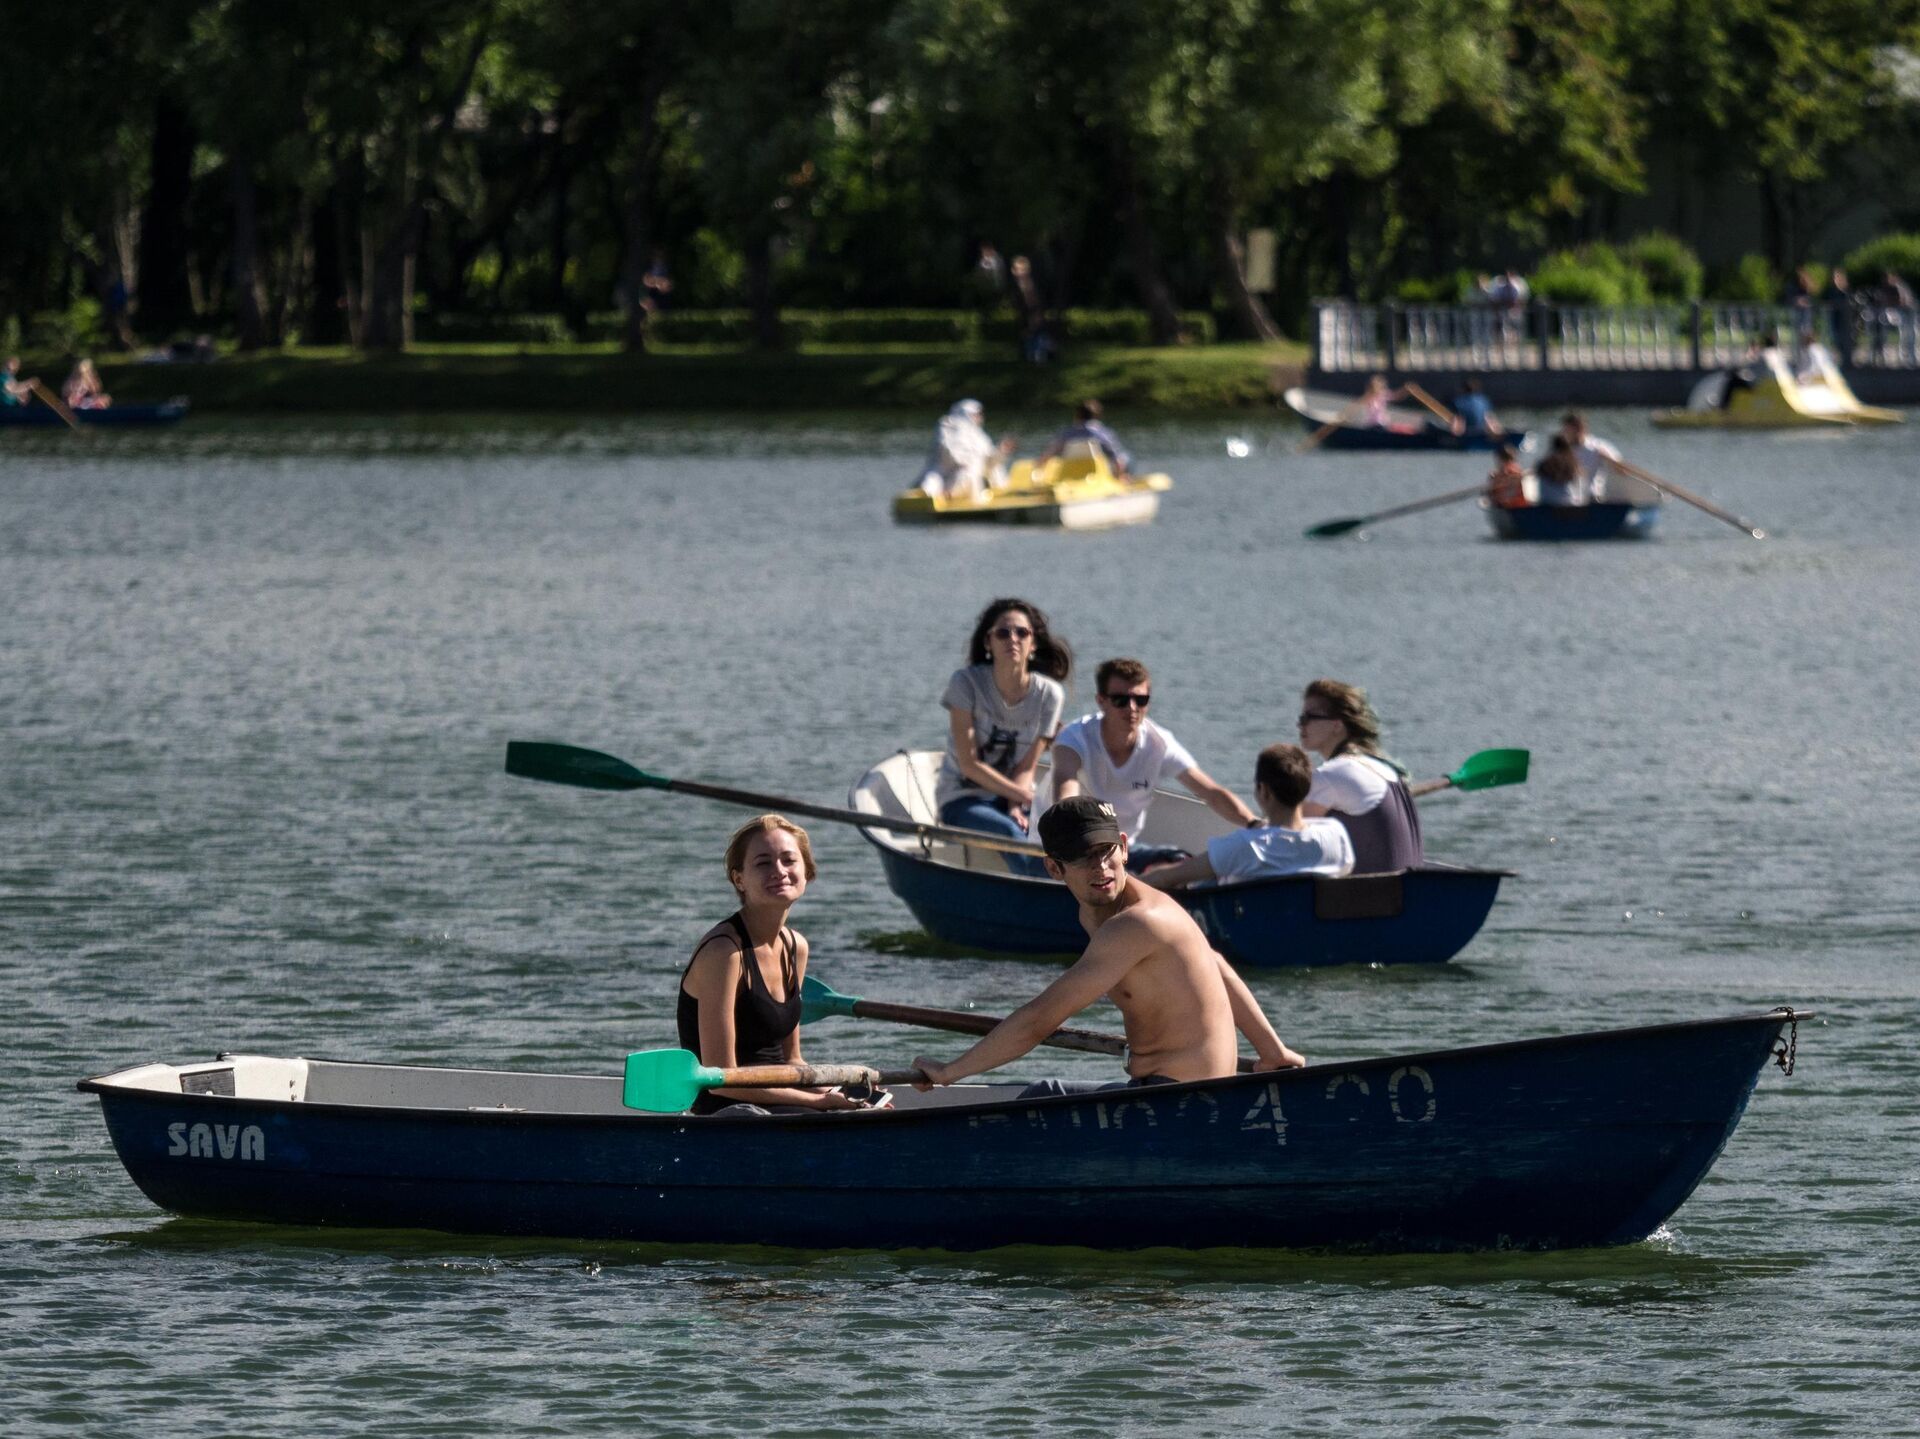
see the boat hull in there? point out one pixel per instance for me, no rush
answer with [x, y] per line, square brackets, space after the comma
[1074, 491]
[1564, 1142]
[113, 417]
[1405, 429]
[1604, 521]
[1417, 916]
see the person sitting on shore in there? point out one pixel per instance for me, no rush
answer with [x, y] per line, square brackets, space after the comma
[1507, 484]
[1090, 428]
[965, 461]
[1474, 412]
[83, 390]
[1591, 455]
[1180, 1001]
[1003, 711]
[1119, 755]
[739, 998]
[1288, 843]
[1357, 785]
[15, 390]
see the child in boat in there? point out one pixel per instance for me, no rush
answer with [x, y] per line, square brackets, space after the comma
[740, 993]
[83, 390]
[1089, 427]
[1288, 843]
[1180, 1000]
[1507, 485]
[1003, 710]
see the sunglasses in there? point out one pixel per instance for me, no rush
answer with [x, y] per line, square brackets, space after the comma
[1307, 719]
[1129, 700]
[1013, 632]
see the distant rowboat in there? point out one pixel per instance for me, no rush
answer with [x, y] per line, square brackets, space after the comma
[1605, 521]
[1406, 429]
[1556, 1142]
[114, 416]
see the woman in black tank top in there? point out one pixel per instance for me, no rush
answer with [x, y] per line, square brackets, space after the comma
[740, 994]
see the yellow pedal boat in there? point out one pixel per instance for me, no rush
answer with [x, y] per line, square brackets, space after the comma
[1073, 491]
[1817, 398]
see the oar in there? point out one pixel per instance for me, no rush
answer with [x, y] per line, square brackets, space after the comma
[590, 769]
[1452, 420]
[666, 1081]
[1488, 768]
[1669, 487]
[819, 1001]
[56, 405]
[1331, 425]
[1340, 527]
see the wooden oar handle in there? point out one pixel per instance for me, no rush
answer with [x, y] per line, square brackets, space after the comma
[855, 816]
[812, 1076]
[956, 1021]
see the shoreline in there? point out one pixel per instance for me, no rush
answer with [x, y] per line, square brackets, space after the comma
[586, 379]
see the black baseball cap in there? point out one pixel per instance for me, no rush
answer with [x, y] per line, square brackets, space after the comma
[1075, 827]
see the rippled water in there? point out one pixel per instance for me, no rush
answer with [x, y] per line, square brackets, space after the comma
[256, 680]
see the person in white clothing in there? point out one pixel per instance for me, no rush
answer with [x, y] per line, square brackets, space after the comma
[1119, 755]
[1591, 453]
[964, 459]
[1288, 843]
[1357, 785]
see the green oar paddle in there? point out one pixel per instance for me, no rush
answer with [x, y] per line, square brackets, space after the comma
[819, 1001]
[1341, 527]
[590, 769]
[666, 1081]
[1485, 770]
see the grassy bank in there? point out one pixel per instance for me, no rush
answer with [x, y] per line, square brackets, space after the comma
[589, 379]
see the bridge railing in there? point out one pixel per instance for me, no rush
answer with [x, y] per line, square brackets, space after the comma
[1540, 336]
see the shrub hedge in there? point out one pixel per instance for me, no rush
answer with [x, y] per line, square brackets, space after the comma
[1898, 253]
[810, 327]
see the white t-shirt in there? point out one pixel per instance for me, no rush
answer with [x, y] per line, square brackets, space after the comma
[1002, 733]
[1352, 783]
[1128, 788]
[1319, 846]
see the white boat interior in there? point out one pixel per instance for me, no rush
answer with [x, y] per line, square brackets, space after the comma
[409, 1086]
[1326, 407]
[902, 786]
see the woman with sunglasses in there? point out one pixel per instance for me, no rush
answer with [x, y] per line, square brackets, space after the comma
[1357, 785]
[1003, 710]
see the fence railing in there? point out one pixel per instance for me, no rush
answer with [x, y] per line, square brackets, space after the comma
[1540, 336]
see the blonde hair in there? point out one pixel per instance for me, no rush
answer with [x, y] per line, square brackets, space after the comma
[766, 824]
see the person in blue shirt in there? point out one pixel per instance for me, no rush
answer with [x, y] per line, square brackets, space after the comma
[13, 389]
[1475, 411]
[1088, 426]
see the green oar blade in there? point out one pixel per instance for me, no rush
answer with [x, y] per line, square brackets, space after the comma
[1334, 527]
[569, 764]
[822, 1001]
[666, 1081]
[1492, 767]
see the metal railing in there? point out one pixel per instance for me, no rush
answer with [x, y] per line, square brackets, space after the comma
[1541, 336]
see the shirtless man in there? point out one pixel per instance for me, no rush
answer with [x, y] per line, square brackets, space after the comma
[1180, 1001]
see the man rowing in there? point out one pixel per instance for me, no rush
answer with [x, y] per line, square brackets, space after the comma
[1591, 454]
[1119, 755]
[1180, 1002]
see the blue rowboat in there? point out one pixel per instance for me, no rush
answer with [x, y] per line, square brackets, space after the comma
[1560, 1142]
[968, 897]
[41, 415]
[1606, 521]
[1406, 428]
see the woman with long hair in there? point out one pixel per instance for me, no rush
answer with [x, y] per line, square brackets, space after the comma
[1357, 784]
[740, 994]
[1003, 710]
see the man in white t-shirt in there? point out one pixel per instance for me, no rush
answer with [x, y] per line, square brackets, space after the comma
[1288, 843]
[1119, 755]
[1591, 453]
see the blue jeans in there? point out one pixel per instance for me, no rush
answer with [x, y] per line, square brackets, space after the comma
[988, 814]
[1139, 856]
